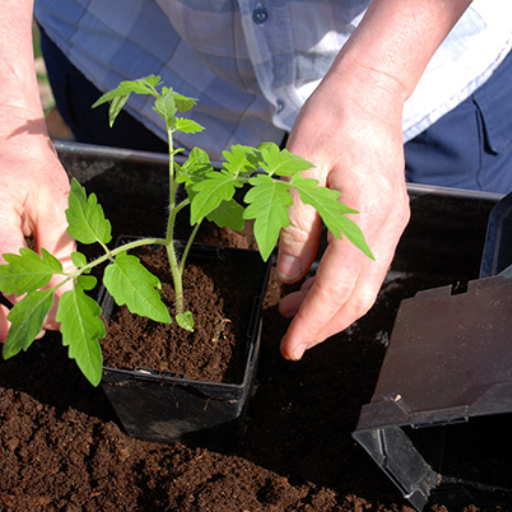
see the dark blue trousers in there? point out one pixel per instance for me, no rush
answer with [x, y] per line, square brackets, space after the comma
[468, 148]
[471, 146]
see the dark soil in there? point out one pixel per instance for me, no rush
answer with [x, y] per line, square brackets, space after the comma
[221, 311]
[63, 449]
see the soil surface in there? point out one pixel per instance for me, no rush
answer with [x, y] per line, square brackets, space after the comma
[215, 351]
[63, 449]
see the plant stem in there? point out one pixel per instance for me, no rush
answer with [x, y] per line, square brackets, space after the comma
[171, 252]
[114, 252]
[188, 246]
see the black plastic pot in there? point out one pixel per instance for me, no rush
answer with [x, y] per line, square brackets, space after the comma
[165, 407]
[440, 419]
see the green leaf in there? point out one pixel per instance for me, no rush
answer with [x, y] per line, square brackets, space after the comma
[242, 160]
[208, 194]
[165, 106]
[87, 223]
[115, 107]
[81, 327]
[145, 85]
[130, 283]
[183, 103]
[78, 259]
[196, 167]
[27, 319]
[282, 162]
[229, 214]
[268, 205]
[119, 96]
[325, 201]
[185, 320]
[27, 271]
[87, 282]
[187, 125]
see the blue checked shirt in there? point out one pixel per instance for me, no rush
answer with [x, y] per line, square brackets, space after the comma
[253, 63]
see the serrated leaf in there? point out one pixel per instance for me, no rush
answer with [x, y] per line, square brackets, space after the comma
[81, 327]
[130, 283]
[27, 319]
[119, 96]
[325, 201]
[145, 85]
[183, 103]
[187, 125]
[229, 214]
[197, 165]
[87, 222]
[165, 106]
[268, 204]
[27, 271]
[209, 193]
[185, 320]
[115, 107]
[241, 160]
[282, 162]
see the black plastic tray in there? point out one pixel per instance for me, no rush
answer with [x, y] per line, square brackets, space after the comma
[441, 414]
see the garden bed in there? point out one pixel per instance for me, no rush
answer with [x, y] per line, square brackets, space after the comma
[62, 448]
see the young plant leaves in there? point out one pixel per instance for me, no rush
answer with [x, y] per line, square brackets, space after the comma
[81, 328]
[217, 187]
[229, 214]
[187, 125]
[87, 223]
[242, 160]
[268, 204]
[27, 319]
[165, 106]
[130, 283]
[282, 162]
[27, 271]
[185, 320]
[325, 201]
[119, 96]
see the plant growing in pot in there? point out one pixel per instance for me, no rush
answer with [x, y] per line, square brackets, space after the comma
[205, 192]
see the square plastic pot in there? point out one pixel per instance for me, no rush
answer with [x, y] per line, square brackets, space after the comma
[163, 407]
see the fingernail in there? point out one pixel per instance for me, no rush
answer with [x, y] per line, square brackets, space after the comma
[288, 267]
[299, 352]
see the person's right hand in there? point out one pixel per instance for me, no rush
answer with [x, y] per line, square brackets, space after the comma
[34, 189]
[351, 130]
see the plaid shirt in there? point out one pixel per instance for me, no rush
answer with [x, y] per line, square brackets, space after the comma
[253, 63]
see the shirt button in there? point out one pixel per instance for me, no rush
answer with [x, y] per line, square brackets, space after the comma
[279, 105]
[260, 15]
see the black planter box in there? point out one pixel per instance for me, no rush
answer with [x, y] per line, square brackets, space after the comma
[440, 420]
[163, 407]
[445, 238]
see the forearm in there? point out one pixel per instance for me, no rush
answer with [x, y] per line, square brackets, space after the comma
[18, 83]
[395, 41]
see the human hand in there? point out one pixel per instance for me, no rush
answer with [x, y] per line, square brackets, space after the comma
[33, 198]
[353, 135]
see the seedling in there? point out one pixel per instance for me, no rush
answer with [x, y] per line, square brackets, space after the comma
[210, 194]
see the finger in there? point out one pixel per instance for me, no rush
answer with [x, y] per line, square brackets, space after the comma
[290, 304]
[345, 288]
[335, 280]
[12, 237]
[4, 323]
[298, 243]
[51, 234]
